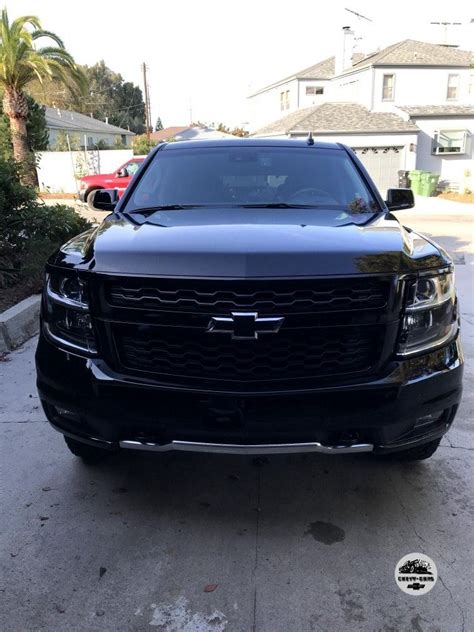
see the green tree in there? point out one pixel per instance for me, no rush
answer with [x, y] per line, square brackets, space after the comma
[112, 98]
[22, 61]
[109, 97]
[159, 125]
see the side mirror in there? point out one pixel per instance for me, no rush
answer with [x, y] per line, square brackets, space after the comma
[104, 199]
[399, 199]
[122, 173]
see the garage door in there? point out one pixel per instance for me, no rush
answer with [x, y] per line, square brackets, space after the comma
[383, 164]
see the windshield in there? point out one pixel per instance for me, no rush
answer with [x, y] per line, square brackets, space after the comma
[252, 176]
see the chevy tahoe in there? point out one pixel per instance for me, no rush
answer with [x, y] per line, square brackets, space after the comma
[251, 296]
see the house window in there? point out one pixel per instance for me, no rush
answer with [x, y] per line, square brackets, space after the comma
[388, 88]
[453, 87]
[285, 100]
[451, 142]
[471, 84]
[310, 90]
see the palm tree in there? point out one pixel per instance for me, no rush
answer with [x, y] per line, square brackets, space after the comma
[21, 62]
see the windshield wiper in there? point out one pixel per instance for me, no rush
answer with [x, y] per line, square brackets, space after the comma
[161, 207]
[279, 205]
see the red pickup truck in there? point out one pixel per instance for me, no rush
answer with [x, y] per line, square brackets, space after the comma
[119, 179]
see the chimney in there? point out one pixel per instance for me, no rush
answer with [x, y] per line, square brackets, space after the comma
[107, 120]
[344, 54]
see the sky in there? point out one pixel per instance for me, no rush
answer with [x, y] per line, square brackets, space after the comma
[205, 57]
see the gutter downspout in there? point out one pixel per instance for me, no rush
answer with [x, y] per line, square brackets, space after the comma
[372, 96]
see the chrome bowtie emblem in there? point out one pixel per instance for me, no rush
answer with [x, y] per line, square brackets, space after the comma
[245, 325]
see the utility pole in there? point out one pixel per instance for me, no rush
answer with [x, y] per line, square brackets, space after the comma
[147, 102]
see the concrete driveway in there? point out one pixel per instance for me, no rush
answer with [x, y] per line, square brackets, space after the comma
[200, 543]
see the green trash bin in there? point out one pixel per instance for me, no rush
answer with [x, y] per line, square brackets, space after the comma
[432, 183]
[429, 182]
[425, 183]
[415, 178]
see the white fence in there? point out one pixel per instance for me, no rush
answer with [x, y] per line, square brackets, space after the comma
[59, 171]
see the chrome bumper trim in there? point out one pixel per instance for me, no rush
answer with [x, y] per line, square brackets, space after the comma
[230, 448]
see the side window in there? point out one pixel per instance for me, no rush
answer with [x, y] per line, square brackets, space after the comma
[132, 167]
[453, 87]
[314, 90]
[388, 88]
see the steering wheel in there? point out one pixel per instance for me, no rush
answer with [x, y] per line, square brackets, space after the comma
[309, 193]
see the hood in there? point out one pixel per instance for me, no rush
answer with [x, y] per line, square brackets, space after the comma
[254, 249]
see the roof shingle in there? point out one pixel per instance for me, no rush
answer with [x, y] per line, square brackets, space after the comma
[439, 110]
[414, 53]
[337, 118]
[74, 121]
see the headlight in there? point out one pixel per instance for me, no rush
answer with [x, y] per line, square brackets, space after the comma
[67, 321]
[431, 316]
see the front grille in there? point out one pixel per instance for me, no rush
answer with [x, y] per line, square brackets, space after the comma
[287, 355]
[212, 296]
[332, 327]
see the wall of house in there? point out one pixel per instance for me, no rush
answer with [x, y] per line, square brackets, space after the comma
[95, 136]
[307, 100]
[450, 168]
[355, 87]
[423, 86]
[59, 171]
[265, 107]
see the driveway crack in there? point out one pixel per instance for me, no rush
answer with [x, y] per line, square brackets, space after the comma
[407, 516]
[463, 620]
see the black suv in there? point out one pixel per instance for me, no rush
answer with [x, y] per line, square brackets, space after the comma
[251, 296]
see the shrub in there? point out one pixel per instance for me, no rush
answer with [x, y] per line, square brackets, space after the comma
[30, 231]
[141, 145]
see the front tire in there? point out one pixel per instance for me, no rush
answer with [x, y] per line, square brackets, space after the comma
[89, 198]
[88, 453]
[418, 453]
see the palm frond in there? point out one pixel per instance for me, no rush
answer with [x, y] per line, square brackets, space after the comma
[21, 62]
[42, 33]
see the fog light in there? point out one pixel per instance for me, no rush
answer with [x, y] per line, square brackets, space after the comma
[67, 414]
[427, 420]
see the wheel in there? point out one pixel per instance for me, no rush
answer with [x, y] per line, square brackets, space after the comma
[418, 453]
[89, 198]
[88, 453]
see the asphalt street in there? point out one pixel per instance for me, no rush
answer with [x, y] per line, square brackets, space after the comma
[207, 543]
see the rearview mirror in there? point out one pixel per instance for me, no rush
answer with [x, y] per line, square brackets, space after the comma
[122, 173]
[104, 199]
[398, 199]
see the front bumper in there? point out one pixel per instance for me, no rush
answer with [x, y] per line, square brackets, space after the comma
[414, 402]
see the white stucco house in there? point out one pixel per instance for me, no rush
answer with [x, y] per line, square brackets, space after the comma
[408, 106]
[87, 130]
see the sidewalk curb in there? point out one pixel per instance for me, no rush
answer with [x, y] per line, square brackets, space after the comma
[19, 323]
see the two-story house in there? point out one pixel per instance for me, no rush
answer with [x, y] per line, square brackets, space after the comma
[410, 105]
